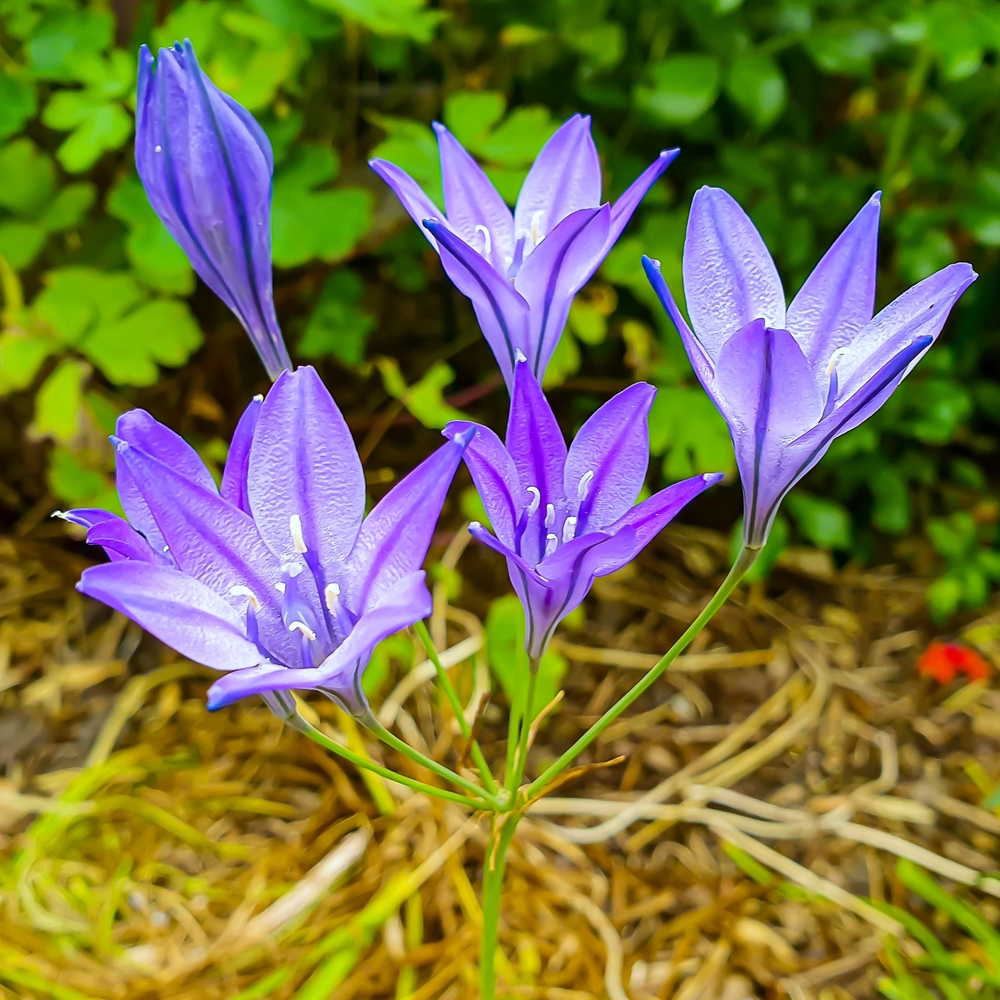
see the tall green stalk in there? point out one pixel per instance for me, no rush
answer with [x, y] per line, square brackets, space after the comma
[501, 832]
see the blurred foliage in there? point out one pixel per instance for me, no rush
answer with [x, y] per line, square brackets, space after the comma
[800, 108]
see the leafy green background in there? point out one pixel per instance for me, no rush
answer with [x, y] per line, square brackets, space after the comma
[800, 109]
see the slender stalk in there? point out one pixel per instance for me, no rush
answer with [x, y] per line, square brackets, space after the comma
[496, 859]
[300, 724]
[489, 801]
[743, 562]
[521, 756]
[456, 706]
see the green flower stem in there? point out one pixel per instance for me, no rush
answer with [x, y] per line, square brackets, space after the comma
[496, 859]
[516, 773]
[300, 724]
[456, 706]
[743, 562]
[487, 799]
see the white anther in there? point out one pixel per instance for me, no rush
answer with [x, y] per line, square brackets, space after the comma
[295, 525]
[519, 355]
[708, 477]
[551, 543]
[166, 548]
[835, 360]
[303, 628]
[536, 221]
[569, 529]
[487, 242]
[157, 149]
[583, 487]
[258, 398]
[292, 569]
[475, 525]
[280, 586]
[331, 594]
[536, 499]
[550, 515]
[240, 591]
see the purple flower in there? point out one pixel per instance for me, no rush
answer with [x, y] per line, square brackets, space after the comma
[521, 271]
[276, 577]
[789, 382]
[206, 166]
[562, 518]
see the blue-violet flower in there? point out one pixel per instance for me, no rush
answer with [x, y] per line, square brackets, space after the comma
[206, 166]
[521, 271]
[790, 381]
[563, 517]
[276, 577]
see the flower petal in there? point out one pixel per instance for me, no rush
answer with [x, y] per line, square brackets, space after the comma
[622, 209]
[140, 430]
[838, 298]
[177, 609]
[304, 464]
[483, 536]
[235, 474]
[606, 463]
[494, 475]
[729, 277]
[649, 518]
[565, 177]
[411, 194]
[554, 272]
[476, 213]
[395, 536]
[534, 440]
[502, 313]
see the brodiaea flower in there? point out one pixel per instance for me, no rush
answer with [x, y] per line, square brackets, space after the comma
[277, 577]
[521, 271]
[206, 166]
[790, 381]
[562, 518]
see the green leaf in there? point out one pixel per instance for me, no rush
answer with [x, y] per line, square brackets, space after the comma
[757, 85]
[519, 138]
[825, 523]
[587, 322]
[954, 537]
[943, 597]
[943, 407]
[602, 44]
[507, 181]
[97, 126]
[21, 357]
[158, 261]
[306, 223]
[197, 20]
[396, 647]
[424, 399]
[78, 485]
[891, 512]
[70, 205]
[846, 47]
[59, 400]
[565, 361]
[21, 242]
[470, 115]
[78, 299]
[508, 660]
[64, 34]
[408, 18]
[471, 505]
[29, 178]
[339, 325]
[685, 427]
[127, 350]
[105, 77]
[679, 89]
[18, 103]
[412, 146]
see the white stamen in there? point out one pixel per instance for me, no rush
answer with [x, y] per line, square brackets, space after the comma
[835, 360]
[157, 149]
[551, 543]
[331, 594]
[292, 569]
[258, 398]
[487, 242]
[303, 628]
[536, 499]
[536, 221]
[583, 488]
[550, 515]
[475, 526]
[280, 586]
[240, 591]
[569, 529]
[295, 525]
[519, 355]
[166, 548]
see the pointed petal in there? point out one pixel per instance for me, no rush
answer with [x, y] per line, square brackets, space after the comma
[494, 475]
[235, 474]
[121, 541]
[303, 463]
[565, 177]
[340, 673]
[395, 536]
[650, 517]
[140, 430]
[612, 451]
[534, 439]
[501, 311]
[481, 535]
[838, 298]
[554, 272]
[729, 277]
[410, 193]
[476, 212]
[703, 365]
[622, 209]
[175, 608]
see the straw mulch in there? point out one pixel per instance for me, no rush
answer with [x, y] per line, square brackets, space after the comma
[763, 792]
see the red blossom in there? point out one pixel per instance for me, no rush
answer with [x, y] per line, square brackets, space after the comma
[944, 661]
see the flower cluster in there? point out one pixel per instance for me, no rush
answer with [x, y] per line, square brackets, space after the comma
[277, 578]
